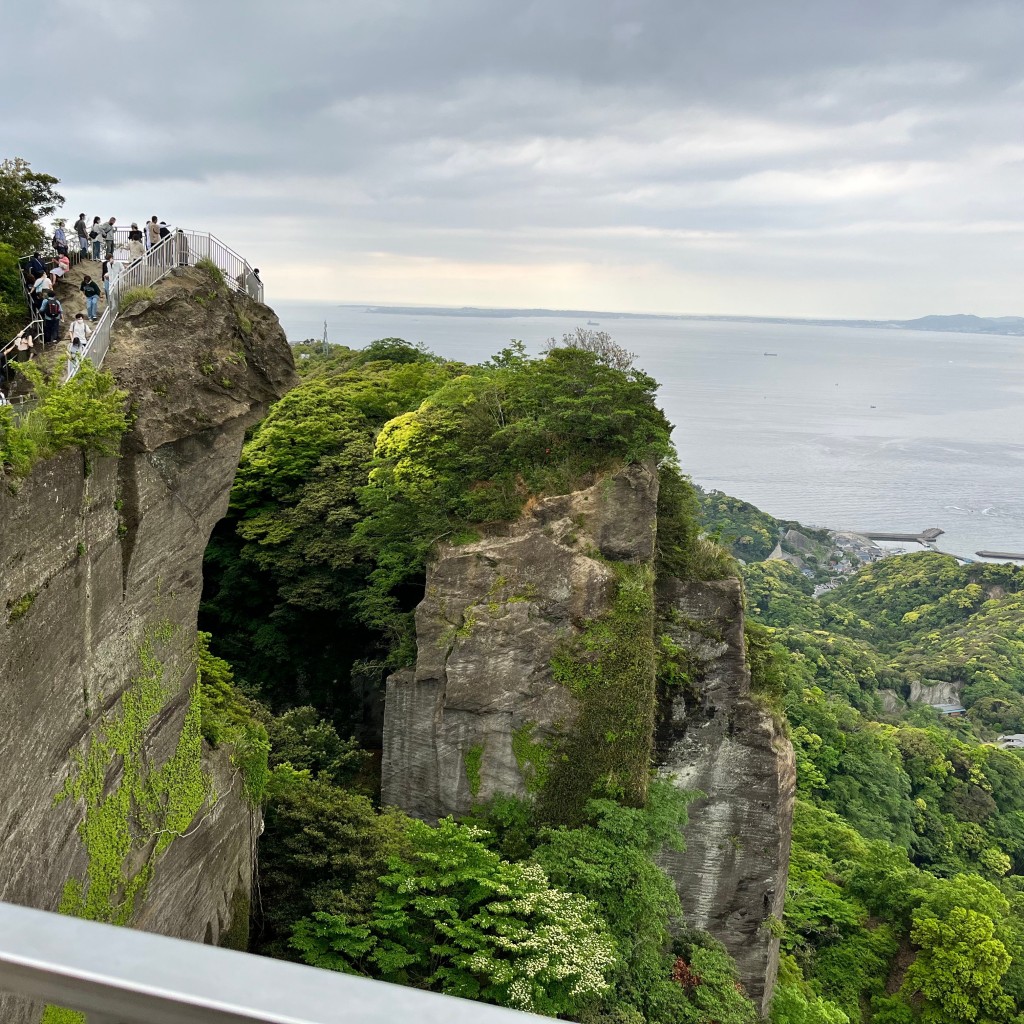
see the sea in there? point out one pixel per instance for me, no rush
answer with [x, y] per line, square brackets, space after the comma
[852, 428]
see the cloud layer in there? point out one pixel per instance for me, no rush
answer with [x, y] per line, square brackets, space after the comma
[801, 158]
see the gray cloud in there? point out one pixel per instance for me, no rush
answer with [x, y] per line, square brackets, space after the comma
[799, 157]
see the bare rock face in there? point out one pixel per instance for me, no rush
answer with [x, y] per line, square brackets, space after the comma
[716, 738]
[935, 691]
[462, 724]
[100, 580]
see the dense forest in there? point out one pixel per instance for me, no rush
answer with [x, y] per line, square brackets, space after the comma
[904, 900]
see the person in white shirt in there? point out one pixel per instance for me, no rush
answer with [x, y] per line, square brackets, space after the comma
[80, 334]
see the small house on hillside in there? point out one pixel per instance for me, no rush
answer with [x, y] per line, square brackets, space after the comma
[950, 710]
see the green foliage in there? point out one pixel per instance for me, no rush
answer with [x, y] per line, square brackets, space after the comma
[229, 717]
[208, 267]
[909, 832]
[134, 295]
[610, 667]
[532, 756]
[347, 486]
[452, 916]
[127, 826]
[88, 412]
[300, 738]
[322, 851]
[473, 759]
[26, 196]
[682, 549]
[14, 312]
[19, 608]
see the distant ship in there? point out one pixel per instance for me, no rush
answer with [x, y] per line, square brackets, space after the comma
[593, 323]
[771, 353]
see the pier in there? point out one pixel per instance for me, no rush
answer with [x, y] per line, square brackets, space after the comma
[925, 537]
[1016, 557]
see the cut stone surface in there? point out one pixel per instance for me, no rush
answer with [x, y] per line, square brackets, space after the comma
[493, 615]
[731, 878]
[107, 555]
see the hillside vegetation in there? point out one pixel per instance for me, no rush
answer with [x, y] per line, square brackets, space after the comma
[905, 896]
[342, 493]
[906, 888]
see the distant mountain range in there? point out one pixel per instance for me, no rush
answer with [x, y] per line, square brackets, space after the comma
[959, 323]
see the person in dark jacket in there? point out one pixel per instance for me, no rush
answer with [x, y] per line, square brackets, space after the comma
[53, 313]
[82, 233]
[91, 290]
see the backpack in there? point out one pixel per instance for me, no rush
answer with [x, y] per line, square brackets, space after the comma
[52, 308]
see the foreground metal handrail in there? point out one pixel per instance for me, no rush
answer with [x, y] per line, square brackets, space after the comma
[119, 976]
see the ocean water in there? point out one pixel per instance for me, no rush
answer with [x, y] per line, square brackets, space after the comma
[850, 428]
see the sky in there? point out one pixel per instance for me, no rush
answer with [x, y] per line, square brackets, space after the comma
[791, 158]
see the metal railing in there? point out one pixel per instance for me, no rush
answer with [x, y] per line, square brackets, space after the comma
[181, 248]
[119, 976]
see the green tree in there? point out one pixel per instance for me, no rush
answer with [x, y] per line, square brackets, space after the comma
[959, 967]
[450, 915]
[26, 196]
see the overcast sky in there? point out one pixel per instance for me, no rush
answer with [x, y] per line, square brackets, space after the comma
[788, 158]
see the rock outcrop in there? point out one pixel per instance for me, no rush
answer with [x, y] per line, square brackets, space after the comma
[100, 580]
[482, 703]
[935, 691]
[492, 694]
[715, 738]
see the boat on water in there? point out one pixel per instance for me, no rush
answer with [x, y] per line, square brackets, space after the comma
[771, 353]
[593, 323]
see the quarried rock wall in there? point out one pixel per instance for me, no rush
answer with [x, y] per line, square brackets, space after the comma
[716, 738]
[100, 580]
[476, 714]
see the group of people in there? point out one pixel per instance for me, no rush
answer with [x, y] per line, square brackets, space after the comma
[97, 241]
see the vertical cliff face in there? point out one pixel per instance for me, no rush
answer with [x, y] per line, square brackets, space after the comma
[482, 710]
[113, 807]
[535, 676]
[717, 739]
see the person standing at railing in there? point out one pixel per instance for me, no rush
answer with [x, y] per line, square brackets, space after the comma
[36, 265]
[107, 234]
[153, 231]
[83, 235]
[91, 290]
[53, 314]
[181, 243]
[94, 236]
[60, 239]
[135, 246]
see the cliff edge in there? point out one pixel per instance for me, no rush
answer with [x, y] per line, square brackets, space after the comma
[115, 809]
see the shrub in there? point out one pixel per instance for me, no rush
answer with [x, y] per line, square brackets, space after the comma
[211, 269]
[88, 412]
[134, 295]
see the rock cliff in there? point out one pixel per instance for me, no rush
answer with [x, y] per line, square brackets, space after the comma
[535, 676]
[483, 708]
[715, 738]
[114, 807]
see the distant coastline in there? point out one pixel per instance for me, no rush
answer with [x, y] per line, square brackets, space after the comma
[959, 323]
